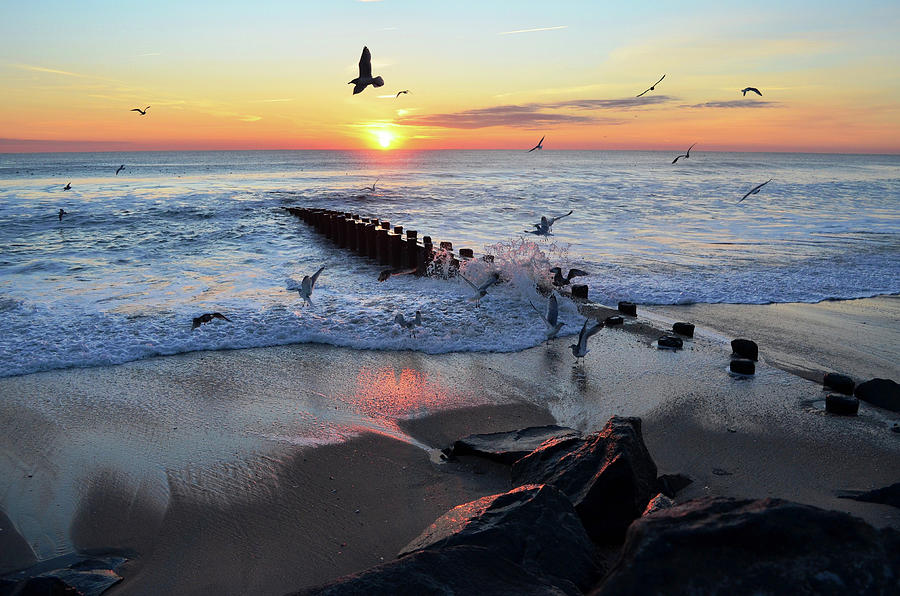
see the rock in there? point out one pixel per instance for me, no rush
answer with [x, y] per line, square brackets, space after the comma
[670, 342]
[79, 573]
[628, 308]
[579, 291]
[658, 503]
[672, 484]
[684, 329]
[613, 321]
[534, 526]
[842, 405]
[889, 495]
[840, 383]
[43, 586]
[507, 447]
[609, 475]
[745, 348]
[883, 393]
[743, 367]
[460, 570]
[727, 546]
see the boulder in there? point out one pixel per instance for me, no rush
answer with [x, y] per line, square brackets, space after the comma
[534, 526]
[727, 546]
[672, 484]
[745, 348]
[743, 367]
[686, 329]
[883, 393]
[43, 586]
[460, 570]
[669, 342]
[613, 320]
[889, 495]
[840, 383]
[628, 308]
[507, 447]
[609, 475]
[658, 503]
[842, 405]
[74, 573]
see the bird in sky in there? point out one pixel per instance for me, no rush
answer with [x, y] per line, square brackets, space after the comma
[306, 286]
[753, 89]
[580, 349]
[410, 324]
[372, 188]
[399, 92]
[143, 112]
[543, 228]
[687, 154]
[540, 145]
[206, 318]
[481, 291]
[551, 318]
[61, 213]
[121, 167]
[559, 280]
[68, 186]
[755, 189]
[653, 86]
[365, 74]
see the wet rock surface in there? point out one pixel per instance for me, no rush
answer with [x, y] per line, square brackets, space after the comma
[742, 366]
[507, 447]
[79, 573]
[745, 348]
[889, 495]
[842, 405]
[671, 484]
[686, 329]
[670, 342]
[840, 383]
[883, 393]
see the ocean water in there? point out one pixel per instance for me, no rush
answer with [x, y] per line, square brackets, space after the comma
[178, 234]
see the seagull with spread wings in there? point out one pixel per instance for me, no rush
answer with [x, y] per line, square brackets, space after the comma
[307, 285]
[580, 349]
[753, 89]
[540, 145]
[755, 189]
[399, 92]
[559, 280]
[551, 318]
[365, 74]
[143, 112]
[481, 291]
[121, 167]
[687, 154]
[543, 228]
[653, 86]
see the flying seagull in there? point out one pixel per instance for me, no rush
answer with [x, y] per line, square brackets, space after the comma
[206, 318]
[540, 145]
[306, 286]
[580, 349]
[410, 324]
[551, 318]
[61, 213]
[365, 74]
[755, 189]
[372, 188]
[543, 228]
[481, 291]
[559, 280]
[143, 112]
[121, 167]
[399, 92]
[68, 186]
[652, 87]
[687, 154]
[753, 89]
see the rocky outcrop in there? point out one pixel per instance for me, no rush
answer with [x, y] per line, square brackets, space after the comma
[889, 495]
[75, 573]
[883, 393]
[507, 447]
[672, 484]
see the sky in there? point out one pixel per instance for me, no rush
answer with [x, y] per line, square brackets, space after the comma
[481, 74]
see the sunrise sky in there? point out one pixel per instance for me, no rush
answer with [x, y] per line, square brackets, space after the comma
[481, 74]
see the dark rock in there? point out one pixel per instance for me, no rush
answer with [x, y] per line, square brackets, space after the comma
[628, 308]
[579, 291]
[743, 367]
[613, 321]
[90, 575]
[534, 526]
[460, 570]
[842, 405]
[726, 546]
[684, 329]
[745, 348]
[889, 495]
[672, 484]
[507, 447]
[670, 342]
[658, 503]
[609, 475]
[840, 383]
[43, 586]
[883, 393]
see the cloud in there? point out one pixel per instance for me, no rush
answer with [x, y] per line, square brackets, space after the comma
[736, 103]
[277, 100]
[527, 116]
[626, 103]
[50, 70]
[533, 30]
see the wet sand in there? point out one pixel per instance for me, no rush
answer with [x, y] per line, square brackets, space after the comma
[242, 471]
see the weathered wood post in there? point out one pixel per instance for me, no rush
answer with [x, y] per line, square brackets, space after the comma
[398, 248]
[412, 245]
[382, 245]
[424, 254]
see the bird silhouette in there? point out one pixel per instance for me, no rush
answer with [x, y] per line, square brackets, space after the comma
[653, 86]
[753, 89]
[580, 349]
[559, 280]
[143, 112]
[365, 74]
[61, 213]
[306, 286]
[687, 154]
[755, 189]
[543, 228]
[372, 188]
[206, 318]
[551, 318]
[399, 92]
[121, 167]
[68, 186]
[481, 291]
[540, 145]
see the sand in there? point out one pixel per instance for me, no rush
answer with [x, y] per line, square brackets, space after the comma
[266, 470]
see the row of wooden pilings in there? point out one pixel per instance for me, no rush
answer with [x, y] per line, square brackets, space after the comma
[377, 240]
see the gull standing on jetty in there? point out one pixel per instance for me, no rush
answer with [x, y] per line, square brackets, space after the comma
[687, 154]
[551, 318]
[307, 285]
[755, 189]
[653, 86]
[481, 291]
[580, 349]
[411, 324]
[543, 228]
[753, 89]
[559, 280]
[540, 145]
[365, 74]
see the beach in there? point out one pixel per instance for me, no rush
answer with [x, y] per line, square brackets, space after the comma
[267, 470]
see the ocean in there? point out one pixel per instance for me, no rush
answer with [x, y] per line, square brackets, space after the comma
[179, 234]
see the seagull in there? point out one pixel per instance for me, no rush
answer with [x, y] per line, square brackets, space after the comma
[143, 112]
[121, 167]
[61, 213]
[540, 145]
[399, 92]
[67, 186]
[652, 87]
[371, 188]
[543, 228]
[206, 318]
[755, 189]
[580, 349]
[559, 280]
[365, 74]
[481, 291]
[687, 154]
[411, 324]
[753, 89]
[551, 319]
[306, 286]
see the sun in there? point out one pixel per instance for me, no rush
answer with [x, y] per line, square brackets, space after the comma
[385, 138]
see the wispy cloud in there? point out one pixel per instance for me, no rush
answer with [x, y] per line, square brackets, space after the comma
[527, 116]
[50, 70]
[276, 100]
[533, 30]
[736, 103]
[627, 103]
[150, 54]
